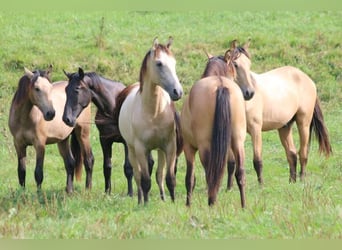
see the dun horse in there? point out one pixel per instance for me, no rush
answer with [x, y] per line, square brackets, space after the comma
[146, 116]
[282, 96]
[213, 122]
[81, 90]
[36, 119]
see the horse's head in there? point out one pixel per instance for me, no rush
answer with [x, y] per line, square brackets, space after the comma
[159, 66]
[239, 64]
[40, 93]
[78, 97]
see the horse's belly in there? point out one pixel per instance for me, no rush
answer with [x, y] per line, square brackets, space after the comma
[276, 120]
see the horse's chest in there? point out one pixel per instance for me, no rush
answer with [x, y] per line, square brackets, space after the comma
[155, 134]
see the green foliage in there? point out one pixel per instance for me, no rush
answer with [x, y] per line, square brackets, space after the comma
[113, 44]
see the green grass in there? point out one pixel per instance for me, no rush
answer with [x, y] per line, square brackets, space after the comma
[113, 44]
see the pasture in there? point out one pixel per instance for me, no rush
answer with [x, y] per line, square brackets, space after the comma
[113, 44]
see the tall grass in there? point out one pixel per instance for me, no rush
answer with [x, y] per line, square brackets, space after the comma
[113, 44]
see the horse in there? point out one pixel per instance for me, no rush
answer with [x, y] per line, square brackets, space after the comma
[35, 118]
[282, 96]
[84, 88]
[213, 122]
[147, 119]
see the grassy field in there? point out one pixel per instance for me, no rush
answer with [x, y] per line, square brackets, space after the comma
[113, 45]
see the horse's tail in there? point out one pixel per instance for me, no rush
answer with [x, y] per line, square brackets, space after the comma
[76, 151]
[220, 141]
[317, 125]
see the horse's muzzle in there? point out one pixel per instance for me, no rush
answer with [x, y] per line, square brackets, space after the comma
[176, 95]
[68, 121]
[248, 95]
[49, 115]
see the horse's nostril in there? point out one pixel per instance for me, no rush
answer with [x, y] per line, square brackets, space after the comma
[248, 95]
[175, 92]
[50, 115]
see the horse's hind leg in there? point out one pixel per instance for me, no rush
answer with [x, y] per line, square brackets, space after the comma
[285, 134]
[230, 169]
[190, 179]
[69, 163]
[21, 154]
[240, 173]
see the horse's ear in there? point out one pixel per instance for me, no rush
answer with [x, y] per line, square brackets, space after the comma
[227, 55]
[208, 54]
[80, 73]
[28, 73]
[49, 71]
[67, 74]
[169, 43]
[155, 43]
[233, 44]
[246, 45]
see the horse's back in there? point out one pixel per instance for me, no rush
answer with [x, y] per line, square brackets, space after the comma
[284, 91]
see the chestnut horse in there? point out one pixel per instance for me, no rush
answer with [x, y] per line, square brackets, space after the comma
[282, 96]
[35, 118]
[146, 117]
[84, 88]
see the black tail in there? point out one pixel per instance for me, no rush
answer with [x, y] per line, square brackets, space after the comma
[76, 151]
[317, 125]
[220, 141]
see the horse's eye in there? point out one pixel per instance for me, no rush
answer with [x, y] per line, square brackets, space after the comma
[235, 64]
[37, 89]
[159, 64]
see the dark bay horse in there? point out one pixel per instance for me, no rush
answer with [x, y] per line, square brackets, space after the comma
[282, 96]
[84, 88]
[35, 118]
[146, 116]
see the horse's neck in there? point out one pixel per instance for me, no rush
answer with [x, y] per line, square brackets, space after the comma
[22, 108]
[153, 98]
[101, 96]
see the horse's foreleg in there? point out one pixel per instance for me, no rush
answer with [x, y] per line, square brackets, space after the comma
[83, 136]
[230, 169]
[190, 179]
[89, 164]
[38, 173]
[285, 135]
[141, 171]
[69, 163]
[160, 173]
[304, 135]
[21, 154]
[170, 174]
[128, 170]
[256, 136]
[106, 146]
